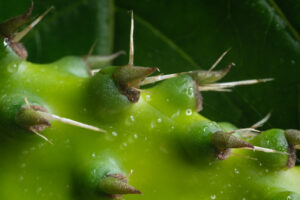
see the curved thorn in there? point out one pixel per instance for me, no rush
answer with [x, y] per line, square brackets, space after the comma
[262, 121]
[217, 62]
[40, 135]
[18, 37]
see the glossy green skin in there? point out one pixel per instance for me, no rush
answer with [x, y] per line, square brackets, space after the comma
[161, 137]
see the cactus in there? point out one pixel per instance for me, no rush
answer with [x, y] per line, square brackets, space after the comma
[70, 131]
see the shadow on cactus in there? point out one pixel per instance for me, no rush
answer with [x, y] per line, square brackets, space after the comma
[73, 129]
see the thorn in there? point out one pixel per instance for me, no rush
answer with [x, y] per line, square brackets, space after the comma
[266, 150]
[94, 62]
[115, 186]
[92, 47]
[10, 26]
[27, 102]
[40, 135]
[216, 86]
[131, 43]
[262, 121]
[154, 79]
[50, 116]
[217, 62]
[18, 37]
[244, 130]
[205, 77]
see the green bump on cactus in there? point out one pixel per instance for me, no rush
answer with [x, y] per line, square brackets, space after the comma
[175, 152]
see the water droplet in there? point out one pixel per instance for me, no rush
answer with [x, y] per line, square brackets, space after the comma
[229, 185]
[114, 133]
[266, 170]
[236, 171]
[93, 155]
[190, 92]
[124, 144]
[135, 136]
[23, 165]
[293, 62]
[132, 118]
[167, 100]
[152, 125]
[21, 178]
[213, 196]
[39, 190]
[288, 197]
[243, 198]
[148, 97]
[188, 112]
[159, 120]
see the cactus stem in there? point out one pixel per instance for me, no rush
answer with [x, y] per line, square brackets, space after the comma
[18, 36]
[243, 156]
[217, 86]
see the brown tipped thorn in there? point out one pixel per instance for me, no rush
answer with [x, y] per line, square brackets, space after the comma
[116, 185]
[10, 26]
[18, 36]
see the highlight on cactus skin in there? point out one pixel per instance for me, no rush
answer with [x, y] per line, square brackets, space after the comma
[156, 132]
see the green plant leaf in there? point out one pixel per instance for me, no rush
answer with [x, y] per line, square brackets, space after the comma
[69, 29]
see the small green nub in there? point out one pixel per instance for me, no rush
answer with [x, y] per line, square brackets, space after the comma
[114, 185]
